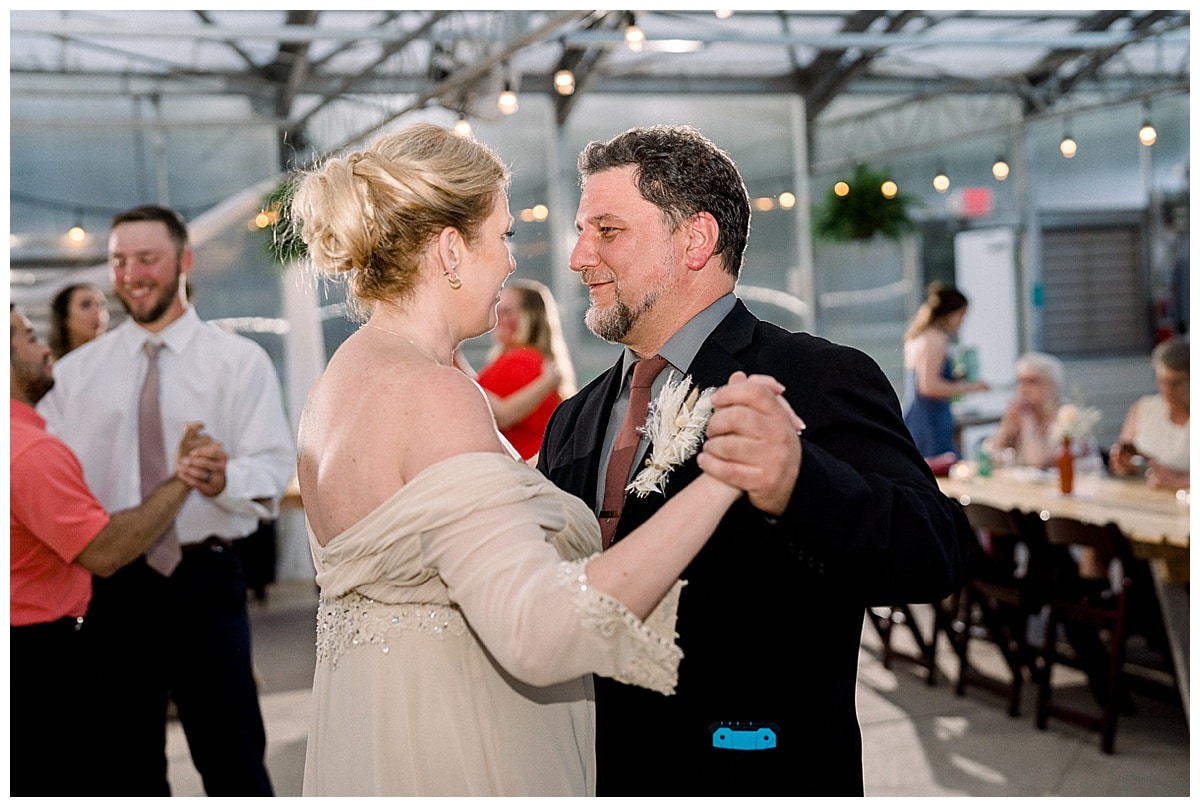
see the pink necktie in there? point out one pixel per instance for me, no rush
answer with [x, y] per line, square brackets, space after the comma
[164, 554]
[626, 445]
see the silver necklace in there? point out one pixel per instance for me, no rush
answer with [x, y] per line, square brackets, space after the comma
[393, 333]
[420, 348]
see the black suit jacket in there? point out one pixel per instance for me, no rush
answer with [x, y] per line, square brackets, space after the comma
[771, 617]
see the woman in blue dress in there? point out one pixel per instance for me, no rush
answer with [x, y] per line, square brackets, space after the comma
[929, 381]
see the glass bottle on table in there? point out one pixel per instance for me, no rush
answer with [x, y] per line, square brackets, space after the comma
[1066, 467]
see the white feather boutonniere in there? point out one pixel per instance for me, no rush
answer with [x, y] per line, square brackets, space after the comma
[675, 425]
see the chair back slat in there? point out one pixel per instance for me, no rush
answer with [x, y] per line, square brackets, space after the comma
[1106, 539]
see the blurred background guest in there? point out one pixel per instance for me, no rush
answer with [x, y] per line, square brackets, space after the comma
[529, 371]
[1026, 429]
[930, 383]
[1155, 435]
[78, 314]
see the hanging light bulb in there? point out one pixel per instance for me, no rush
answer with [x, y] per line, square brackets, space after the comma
[889, 189]
[508, 100]
[564, 82]
[941, 181]
[634, 37]
[723, 14]
[462, 127]
[1068, 146]
[841, 188]
[76, 234]
[1000, 167]
[1147, 134]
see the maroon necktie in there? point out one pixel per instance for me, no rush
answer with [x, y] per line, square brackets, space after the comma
[164, 554]
[626, 445]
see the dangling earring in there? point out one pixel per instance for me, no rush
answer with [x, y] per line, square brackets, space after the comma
[454, 280]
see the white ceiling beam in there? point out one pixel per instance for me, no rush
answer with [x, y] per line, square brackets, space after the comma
[1084, 40]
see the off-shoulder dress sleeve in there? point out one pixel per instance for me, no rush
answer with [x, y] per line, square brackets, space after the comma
[513, 557]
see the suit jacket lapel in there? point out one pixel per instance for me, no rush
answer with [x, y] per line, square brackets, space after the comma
[719, 357]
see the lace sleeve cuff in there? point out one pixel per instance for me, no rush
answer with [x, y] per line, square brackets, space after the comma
[647, 655]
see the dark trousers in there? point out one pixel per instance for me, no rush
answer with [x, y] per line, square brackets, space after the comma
[186, 638]
[46, 719]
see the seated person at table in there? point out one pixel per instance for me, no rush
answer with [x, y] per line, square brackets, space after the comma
[1155, 435]
[1027, 425]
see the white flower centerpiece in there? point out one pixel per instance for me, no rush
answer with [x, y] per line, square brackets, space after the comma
[1074, 422]
[675, 425]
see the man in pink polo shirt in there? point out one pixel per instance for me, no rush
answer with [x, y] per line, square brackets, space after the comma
[59, 537]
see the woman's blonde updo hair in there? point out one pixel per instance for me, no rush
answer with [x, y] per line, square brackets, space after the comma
[375, 212]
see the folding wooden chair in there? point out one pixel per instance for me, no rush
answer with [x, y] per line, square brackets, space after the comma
[1086, 610]
[887, 618]
[1005, 587]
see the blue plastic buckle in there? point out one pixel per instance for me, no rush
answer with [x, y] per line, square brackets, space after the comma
[744, 736]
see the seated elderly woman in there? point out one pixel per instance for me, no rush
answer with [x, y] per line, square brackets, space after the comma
[1155, 436]
[1027, 427]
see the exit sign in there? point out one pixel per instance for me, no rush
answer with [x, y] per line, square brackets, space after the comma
[974, 202]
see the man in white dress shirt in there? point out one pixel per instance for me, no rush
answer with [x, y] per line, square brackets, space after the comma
[181, 633]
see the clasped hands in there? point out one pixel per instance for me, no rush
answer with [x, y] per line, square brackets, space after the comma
[200, 460]
[753, 441]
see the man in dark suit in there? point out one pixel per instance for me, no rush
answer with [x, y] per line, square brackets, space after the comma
[844, 515]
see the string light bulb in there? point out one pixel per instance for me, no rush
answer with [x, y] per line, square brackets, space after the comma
[889, 189]
[1000, 167]
[76, 234]
[508, 100]
[462, 127]
[1068, 146]
[634, 36]
[564, 82]
[1147, 134]
[941, 181]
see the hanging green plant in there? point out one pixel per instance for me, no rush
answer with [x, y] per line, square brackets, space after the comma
[863, 210]
[283, 241]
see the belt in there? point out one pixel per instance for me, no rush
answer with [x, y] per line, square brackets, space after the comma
[213, 543]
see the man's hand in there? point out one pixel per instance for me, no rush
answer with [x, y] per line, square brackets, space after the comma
[193, 437]
[753, 441]
[200, 460]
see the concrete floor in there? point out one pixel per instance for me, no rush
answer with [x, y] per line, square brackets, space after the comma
[918, 740]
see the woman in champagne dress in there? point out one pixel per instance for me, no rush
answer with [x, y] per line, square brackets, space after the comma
[464, 599]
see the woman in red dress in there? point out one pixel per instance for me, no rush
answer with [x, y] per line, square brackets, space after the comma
[529, 371]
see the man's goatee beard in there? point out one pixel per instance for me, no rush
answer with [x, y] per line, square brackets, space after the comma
[611, 325]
